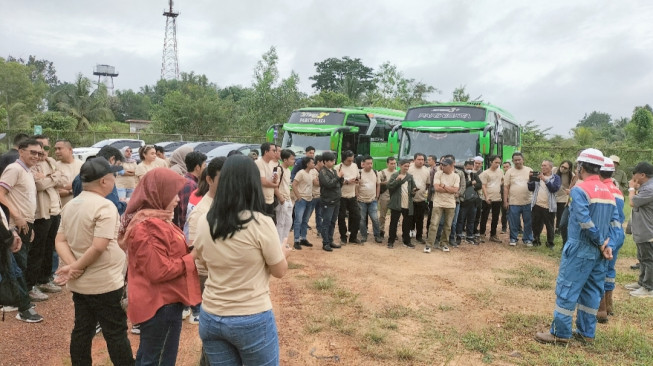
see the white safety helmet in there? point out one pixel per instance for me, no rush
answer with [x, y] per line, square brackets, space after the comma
[608, 165]
[592, 156]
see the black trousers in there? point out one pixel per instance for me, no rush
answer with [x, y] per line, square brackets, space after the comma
[21, 255]
[406, 224]
[270, 211]
[494, 208]
[428, 217]
[105, 309]
[39, 257]
[560, 210]
[477, 215]
[542, 217]
[419, 210]
[349, 208]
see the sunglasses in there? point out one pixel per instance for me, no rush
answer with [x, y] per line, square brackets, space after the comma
[35, 153]
[46, 148]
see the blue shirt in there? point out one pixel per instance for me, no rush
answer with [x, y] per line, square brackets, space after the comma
[113, 196]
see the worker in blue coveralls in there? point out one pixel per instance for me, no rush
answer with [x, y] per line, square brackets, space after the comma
[605, 308]
[584, 262]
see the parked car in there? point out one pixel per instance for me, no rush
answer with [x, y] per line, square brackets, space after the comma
[170, 146]
[223, 150]
[83, 153]
[206, 146]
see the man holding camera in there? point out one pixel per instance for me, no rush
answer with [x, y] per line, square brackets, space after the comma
[544, 187]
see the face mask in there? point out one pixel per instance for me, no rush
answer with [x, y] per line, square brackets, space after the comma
[468, 171]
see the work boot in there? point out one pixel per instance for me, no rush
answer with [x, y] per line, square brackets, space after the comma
[602, 314]
[608, 302]
[547, 337]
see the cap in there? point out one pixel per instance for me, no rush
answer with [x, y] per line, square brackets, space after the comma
[615, 159]
[96, 168]
[446, 162]
[608, 165]
[643, 167]
[253, 154]
[478, 159]
[592, 156]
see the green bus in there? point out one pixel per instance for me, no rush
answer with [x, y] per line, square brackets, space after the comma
[362, 130]
[464, 130]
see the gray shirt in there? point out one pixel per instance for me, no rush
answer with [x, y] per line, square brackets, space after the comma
[642, 218]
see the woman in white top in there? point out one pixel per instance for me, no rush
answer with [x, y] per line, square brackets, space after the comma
[147, 154]
[126, 180]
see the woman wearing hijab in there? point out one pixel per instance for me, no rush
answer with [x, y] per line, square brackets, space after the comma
[161, 271]
[177, 160]
[237, 244]
[126, 180]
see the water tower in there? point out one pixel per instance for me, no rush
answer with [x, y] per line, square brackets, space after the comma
[106, 73]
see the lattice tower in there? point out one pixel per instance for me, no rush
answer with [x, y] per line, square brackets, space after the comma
[170, 59]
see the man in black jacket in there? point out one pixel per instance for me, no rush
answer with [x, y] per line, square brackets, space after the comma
[468, 205]
[330, 183]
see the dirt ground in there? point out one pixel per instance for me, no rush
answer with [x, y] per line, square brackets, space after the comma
[364, 305]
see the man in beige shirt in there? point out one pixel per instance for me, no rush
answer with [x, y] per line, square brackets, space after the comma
[367, 193]
[422, 177]
[68, 166]
[384, 197]
[94, 266]
[48, 208]
[348, 203]
[517, 199]
[492, 180]
[18, 194]
[302, 189]
[446, 183]
[269, 179]
[285, 207]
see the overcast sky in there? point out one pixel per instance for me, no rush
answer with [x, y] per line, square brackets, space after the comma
[548, 61]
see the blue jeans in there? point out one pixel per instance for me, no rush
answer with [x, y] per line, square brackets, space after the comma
[303, 212]
[515, 213]
[330, 217]
[240, 340]
[371, 209]
[318, 214]
[452, 236]
[125, 192]
[160, 337]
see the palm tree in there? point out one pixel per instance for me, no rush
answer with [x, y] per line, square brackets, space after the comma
[86, 106]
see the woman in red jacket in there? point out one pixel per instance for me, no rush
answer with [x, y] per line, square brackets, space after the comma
[161, 274]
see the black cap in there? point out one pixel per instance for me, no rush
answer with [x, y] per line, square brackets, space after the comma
[446, 161]
[643, 167]
[96, 168]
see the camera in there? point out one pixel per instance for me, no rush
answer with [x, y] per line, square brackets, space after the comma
[534, 177]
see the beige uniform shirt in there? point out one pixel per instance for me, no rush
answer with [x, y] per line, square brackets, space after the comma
[238, 267]
[265, 169]
[443, 199]
[87, 216]
[19, 182]
[517, 180]
[70, 171]
[284, 183]
[127, 181]
[367, 186]
[422, 178]
[492, 181]
[48, 202]
[143, 168]
[304, 185]
[316, 186]
[351, 173]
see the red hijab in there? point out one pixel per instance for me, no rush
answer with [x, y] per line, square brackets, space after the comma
[152, 195]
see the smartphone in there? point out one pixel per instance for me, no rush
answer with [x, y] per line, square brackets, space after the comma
[274, 171]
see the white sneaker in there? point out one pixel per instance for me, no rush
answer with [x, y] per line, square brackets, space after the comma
[642, 292]
[427, 249]
[412, 233]
[192, 319]
[187, 312]
[513, 243]
[632, 286]
[36, 295]
[8, 309]
[444, 248]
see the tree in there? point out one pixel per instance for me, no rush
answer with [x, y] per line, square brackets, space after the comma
[394, 90]
[130, 105]
[82, 103]
[21, 97]
[640, 127]
[337, 75]
[595, 119]
[55, 121]
[533, 134]
[329, 99]
[271, 101]
[42, 70]
[460, 95]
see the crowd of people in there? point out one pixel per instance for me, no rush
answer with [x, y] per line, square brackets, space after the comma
[163, 240]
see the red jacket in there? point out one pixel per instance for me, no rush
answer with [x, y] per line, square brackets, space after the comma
[161, 271]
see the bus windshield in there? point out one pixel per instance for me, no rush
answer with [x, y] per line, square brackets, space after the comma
[297, 142]
[462, 145]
